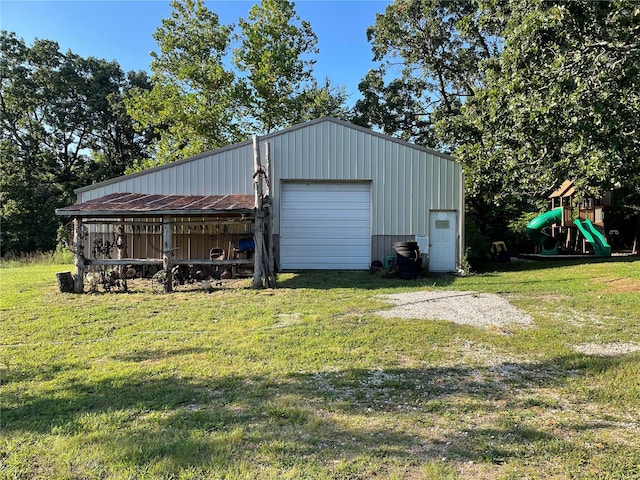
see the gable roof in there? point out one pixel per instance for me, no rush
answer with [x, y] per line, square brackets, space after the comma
[565, 190]
[263, 138]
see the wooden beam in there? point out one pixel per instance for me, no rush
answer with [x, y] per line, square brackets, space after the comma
[271, 262]
[167, 251]
[159, 261]
[124, 261]
[203, 261]
[78, 255]
[258, 234]
[246, 219]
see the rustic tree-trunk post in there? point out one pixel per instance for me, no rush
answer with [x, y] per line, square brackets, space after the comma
[258, 234]
[270, 248]
[78, 255]
[167, 247]
[121, 245]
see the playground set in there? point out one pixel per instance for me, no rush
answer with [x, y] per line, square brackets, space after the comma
[571, 227]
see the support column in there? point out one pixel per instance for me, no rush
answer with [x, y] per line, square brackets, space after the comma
[78, 254]
[121, 245]
[271, 273]
[167, 251]
[258, 234]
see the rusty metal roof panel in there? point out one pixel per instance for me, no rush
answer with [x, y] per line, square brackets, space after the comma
[118, 204]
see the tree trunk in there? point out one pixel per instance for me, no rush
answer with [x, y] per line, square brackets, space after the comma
[78, 256]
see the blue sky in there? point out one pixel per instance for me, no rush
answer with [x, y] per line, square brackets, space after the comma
[122, 30]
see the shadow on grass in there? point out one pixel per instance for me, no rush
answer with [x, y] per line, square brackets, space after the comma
[193, 422]
[523, 265]
[330, 279]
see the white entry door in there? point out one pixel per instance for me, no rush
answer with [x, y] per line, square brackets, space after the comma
[325, 226]
[443, 236]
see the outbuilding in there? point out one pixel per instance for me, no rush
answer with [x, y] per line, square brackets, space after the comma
[338, 196]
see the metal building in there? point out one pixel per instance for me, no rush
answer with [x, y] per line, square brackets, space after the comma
[341, 195]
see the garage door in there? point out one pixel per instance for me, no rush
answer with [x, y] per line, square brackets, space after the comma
[325, 226]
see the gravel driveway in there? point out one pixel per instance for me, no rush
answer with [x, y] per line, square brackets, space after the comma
[467, 308]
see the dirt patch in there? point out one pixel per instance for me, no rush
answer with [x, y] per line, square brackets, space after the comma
[622, 285]
[553, 297]
[286, 320]
[466, 308]
[614, 349]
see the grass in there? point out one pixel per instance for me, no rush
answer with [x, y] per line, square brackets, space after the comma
[306, 381]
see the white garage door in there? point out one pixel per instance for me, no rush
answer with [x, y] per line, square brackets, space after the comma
[325, 226]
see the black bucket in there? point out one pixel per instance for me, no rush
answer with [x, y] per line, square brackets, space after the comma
[408, 260]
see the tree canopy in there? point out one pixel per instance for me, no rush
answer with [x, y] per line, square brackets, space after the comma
[63, 125]
[562, 101]
[525, 93]
[213, 85]
[430, 54]
[194, 94]
[275, 55]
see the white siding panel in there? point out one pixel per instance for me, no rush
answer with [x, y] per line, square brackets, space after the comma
[325, 226]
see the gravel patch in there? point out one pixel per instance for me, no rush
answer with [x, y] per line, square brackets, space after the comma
[607, 349]
[466, 308]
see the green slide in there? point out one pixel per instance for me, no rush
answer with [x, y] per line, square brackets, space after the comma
[594, 237]
[548, 244]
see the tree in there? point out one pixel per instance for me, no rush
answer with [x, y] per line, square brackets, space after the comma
[45, 129]
[54, 109]
[320, 101]
[437, 47]
[275, 55]
[561, 101]
[116, 144]
[203, 97]
[526, 94]
[193, 103]
[396, 108]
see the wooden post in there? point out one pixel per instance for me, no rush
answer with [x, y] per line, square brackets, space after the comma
[167, 247]
[121, 245]
[258, 234]
[267, 169]
[270, 251]
[78, 255]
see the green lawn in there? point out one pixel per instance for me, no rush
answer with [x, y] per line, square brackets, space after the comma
[306, 381]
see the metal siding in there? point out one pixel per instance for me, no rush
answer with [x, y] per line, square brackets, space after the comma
[179, 179]
[406, 181]
[422, 193]
[227, 172]
[407, 200]
[353, 154]
[196, 178]
[416, 188]
[391, 188]
[436, 181]
[333, 154]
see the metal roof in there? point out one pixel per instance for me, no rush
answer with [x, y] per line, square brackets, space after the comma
[126, 204]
